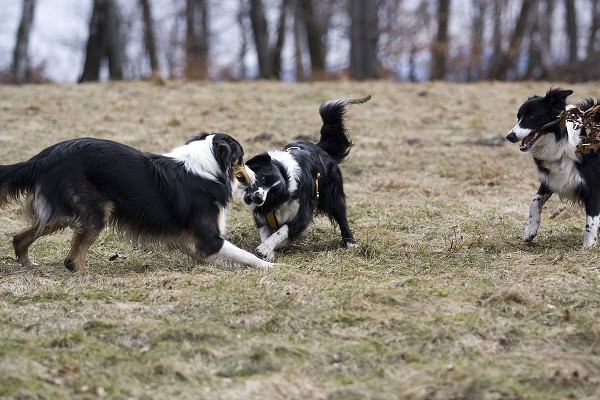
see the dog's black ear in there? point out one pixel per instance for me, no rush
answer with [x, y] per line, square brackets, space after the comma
[557, 98]
[260, 159]
[225, 156]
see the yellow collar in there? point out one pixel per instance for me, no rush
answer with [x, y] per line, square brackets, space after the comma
[272, 221]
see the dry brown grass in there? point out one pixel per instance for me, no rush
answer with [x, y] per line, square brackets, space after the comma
[439, 301]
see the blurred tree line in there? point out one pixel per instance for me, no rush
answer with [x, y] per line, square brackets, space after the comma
[454, 40]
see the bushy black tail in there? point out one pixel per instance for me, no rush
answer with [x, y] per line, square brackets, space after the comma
[334, 138]
[16, 180]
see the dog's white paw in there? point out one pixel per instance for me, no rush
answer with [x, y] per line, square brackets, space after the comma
[351, 245]
[529, 233]
[265, 251]
[589, 241]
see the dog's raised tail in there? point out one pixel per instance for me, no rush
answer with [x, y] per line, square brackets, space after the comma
[334, 137]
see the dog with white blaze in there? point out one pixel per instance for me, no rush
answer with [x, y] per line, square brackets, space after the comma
[179, 198]
[557, 136]
[301, 179]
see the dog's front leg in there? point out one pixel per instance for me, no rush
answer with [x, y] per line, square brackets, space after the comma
[264, 232]
[592, 220]
[535, 213]
[275, 241]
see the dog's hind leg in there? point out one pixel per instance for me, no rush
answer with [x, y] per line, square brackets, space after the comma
[24, 239]
[592, 220]
[92, 216]
[337, 211]
[535, 213]
[341, 218]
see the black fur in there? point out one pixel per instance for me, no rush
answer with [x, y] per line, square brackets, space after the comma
[287, 180]
[87, 184]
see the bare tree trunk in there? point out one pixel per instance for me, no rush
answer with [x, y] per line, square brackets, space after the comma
[149, 37]
[298, 46]
[364, 32]
[104, 41]
[592, 54]
[497, 55]
[277, 49]
[244, 45]
[314, 37]
[196, 40]
[540, 63]
[477, 28]
[20, 66]
[439, 48]
[571, 27]
[261, 38]
[501, 69]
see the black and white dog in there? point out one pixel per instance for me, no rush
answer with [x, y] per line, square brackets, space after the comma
[302, 178]
[179, 198]
[553, 143]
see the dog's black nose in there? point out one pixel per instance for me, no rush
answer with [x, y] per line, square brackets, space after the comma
[257, 198]
[512, 137]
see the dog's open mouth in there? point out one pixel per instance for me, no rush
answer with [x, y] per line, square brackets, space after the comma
[529, 140]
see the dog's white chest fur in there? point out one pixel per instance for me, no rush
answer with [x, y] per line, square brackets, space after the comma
[560, 160]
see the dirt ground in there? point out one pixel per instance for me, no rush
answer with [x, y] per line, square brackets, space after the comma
[439, 301]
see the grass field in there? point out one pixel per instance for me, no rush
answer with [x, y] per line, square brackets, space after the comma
[439, 301]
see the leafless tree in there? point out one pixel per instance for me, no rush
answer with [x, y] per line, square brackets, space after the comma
[104, 41]
[364, 32]
[20, 65]
[593, 48]
[269, 57]
[572, 38]
[197, 39]
[439, 47]
[500, 70]
[478, 25]
[149, 39]
[314, 36]
[261, 38]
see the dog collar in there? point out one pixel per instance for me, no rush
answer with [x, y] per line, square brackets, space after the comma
[272, 221]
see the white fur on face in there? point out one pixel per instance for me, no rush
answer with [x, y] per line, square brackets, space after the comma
[520, 132]
[291, 166]
[198, 158]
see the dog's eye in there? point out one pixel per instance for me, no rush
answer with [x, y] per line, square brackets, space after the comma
[240, 177]
[263, 179]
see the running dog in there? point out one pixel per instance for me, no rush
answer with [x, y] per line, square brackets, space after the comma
[555, 144]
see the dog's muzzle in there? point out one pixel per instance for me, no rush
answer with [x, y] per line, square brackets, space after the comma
[255, 196]
[512, 137]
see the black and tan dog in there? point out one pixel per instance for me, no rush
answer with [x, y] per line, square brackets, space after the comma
[303, 178]
[179, 198]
